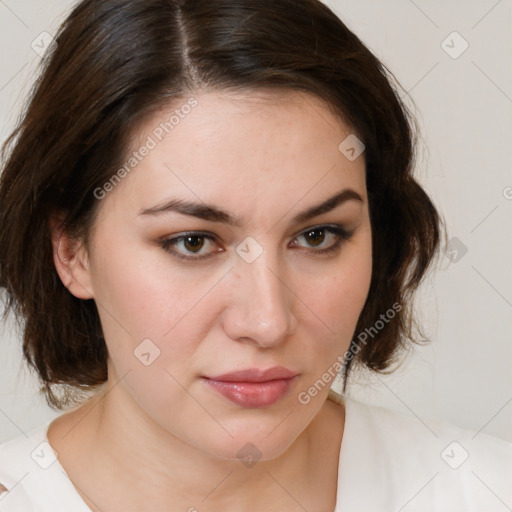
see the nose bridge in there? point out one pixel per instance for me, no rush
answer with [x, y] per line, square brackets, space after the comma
[261, 307]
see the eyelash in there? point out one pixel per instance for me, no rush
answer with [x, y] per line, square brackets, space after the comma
[341, 236]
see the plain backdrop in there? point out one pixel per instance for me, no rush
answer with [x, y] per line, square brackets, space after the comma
[453, 59]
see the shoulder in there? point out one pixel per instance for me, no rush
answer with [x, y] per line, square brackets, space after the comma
[31, 476]
[419, 463]
[412, 434]
[18, 461]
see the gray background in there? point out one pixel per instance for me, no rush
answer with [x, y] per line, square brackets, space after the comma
[463, 103]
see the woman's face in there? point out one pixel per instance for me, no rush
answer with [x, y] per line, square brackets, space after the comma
[256, 283]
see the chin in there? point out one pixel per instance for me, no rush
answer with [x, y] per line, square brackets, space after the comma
[249, 444]
[249, 452]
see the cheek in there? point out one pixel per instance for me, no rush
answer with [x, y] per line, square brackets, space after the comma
[334, 299]
[337, 296]
[154, 321]
[141, 298]
[135, 283]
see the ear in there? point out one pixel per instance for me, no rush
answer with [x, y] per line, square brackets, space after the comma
[71, 259]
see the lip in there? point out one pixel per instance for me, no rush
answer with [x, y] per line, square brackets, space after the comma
[256, 375]
[253, 388]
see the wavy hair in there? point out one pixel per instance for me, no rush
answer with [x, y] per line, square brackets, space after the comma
[117, 61]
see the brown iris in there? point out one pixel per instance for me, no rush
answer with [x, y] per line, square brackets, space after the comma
[193, 243]
[315, 236]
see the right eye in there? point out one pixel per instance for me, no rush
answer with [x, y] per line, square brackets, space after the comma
[187, 245]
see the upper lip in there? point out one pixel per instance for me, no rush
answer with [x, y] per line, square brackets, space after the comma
[256, 375]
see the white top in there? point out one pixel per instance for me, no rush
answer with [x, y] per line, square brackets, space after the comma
[389, 462]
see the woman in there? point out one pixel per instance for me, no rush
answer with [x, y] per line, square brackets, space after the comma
[205, 206]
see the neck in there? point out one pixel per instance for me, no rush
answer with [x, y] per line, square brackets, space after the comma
[121, 460]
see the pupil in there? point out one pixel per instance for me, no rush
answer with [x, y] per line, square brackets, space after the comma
[193, 243]
[318, 239]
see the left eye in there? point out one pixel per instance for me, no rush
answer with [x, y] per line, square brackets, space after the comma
[189, 246]
[315, 237]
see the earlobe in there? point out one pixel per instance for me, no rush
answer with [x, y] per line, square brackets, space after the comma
[71, 260]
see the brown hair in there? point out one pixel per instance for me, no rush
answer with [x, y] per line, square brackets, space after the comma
[115, 62]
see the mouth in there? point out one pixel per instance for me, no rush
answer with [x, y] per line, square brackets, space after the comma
[253, 388]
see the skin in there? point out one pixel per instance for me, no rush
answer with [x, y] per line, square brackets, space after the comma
[157, 437]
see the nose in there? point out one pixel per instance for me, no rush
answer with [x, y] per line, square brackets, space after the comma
[260, 308]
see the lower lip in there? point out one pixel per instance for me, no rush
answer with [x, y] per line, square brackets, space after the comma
[252, 394]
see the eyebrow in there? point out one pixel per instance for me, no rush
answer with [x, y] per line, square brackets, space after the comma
[215, 214]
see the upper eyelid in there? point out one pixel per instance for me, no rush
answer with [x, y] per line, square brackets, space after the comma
[210, 235]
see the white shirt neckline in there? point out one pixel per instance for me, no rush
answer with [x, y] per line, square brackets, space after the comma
[387, 461]
[52, 489]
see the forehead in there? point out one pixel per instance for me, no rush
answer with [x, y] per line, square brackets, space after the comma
[251, 149]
